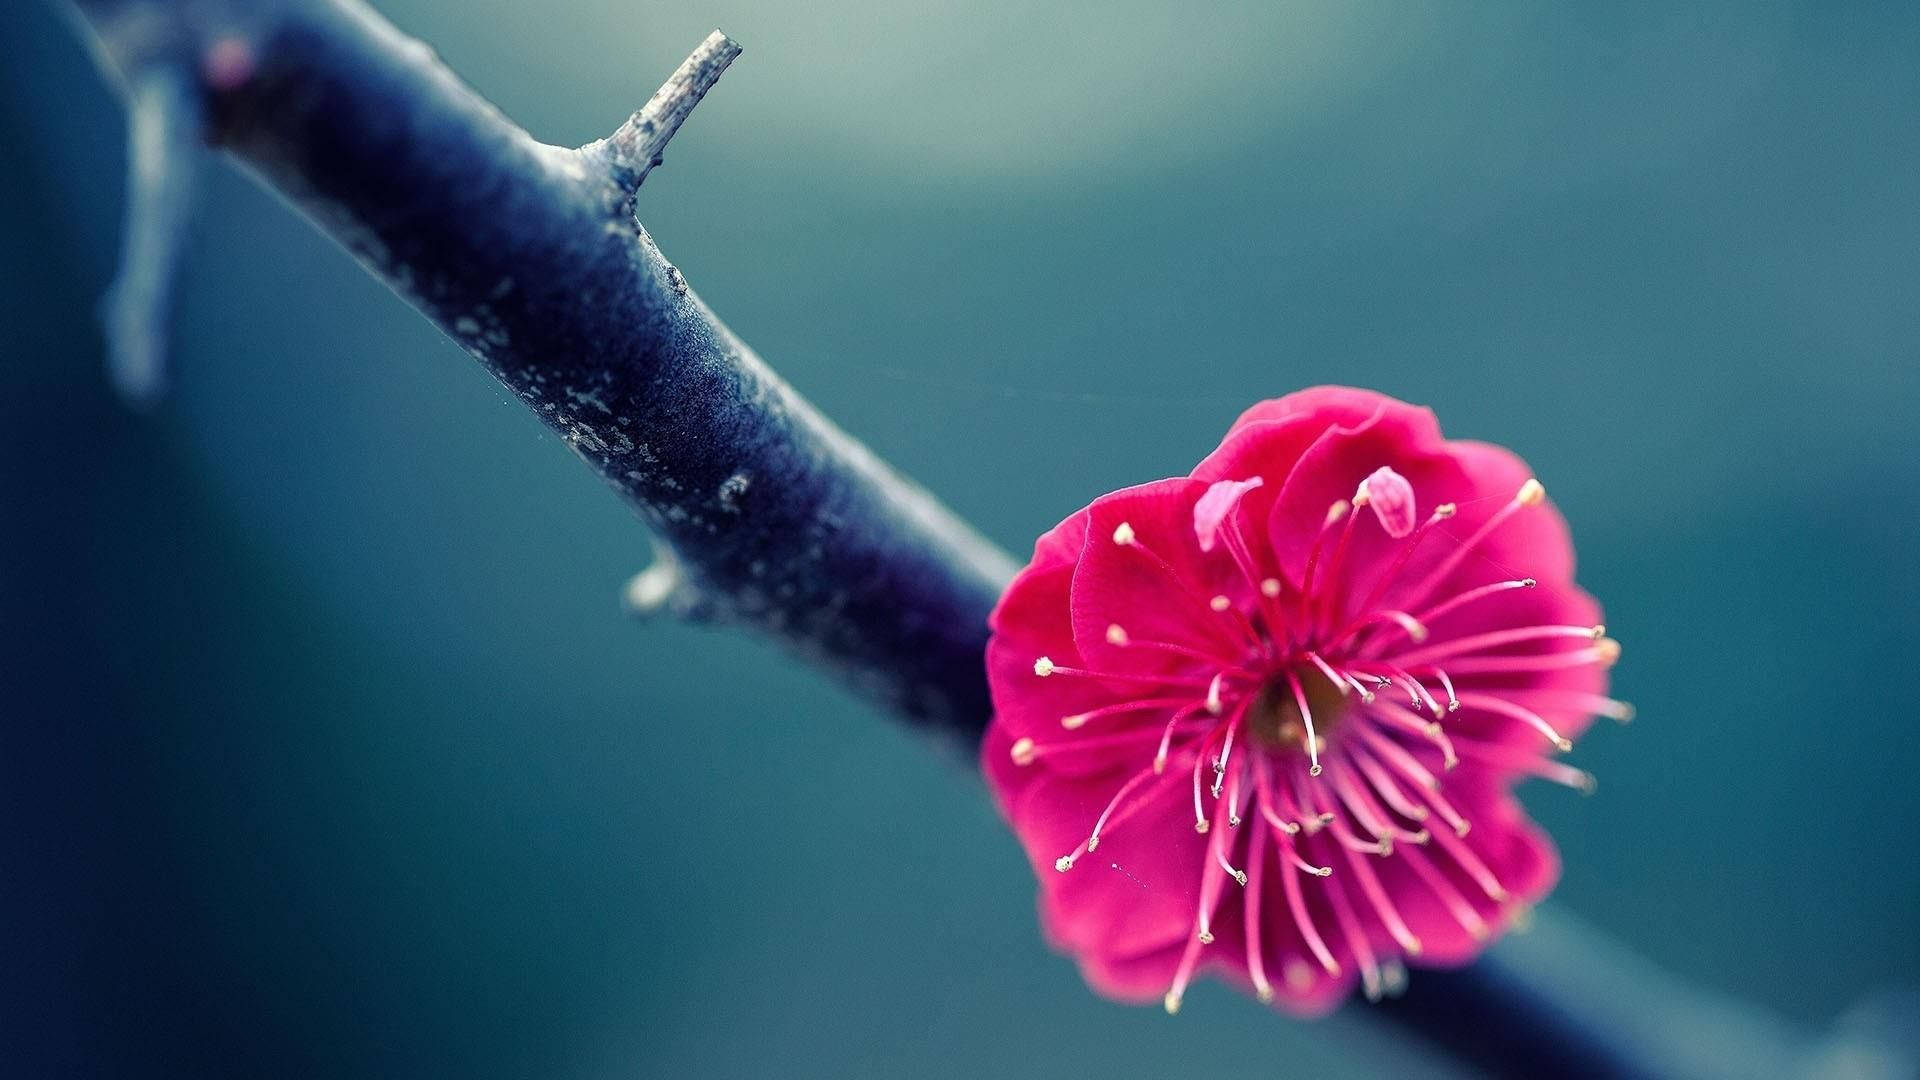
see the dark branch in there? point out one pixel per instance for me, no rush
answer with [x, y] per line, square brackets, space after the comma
[529, 257]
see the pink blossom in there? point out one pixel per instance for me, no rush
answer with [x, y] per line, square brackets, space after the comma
[1243, 728]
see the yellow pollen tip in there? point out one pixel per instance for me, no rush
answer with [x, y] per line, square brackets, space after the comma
[1531, 493]
[1117, 634]
[1445, 510]
[1172, 1002]
[1337, 511]
[1206, 937]
[1565, 744]
[1587, 783]
[1599, 631]
[1313, 770]
[1220, 603]
[1123, 534]
[1264, 993]
[1609, 650]
[1463, 828]
[1360, 496]
[1063, 864]
[1043, 667]
[1201, 827]
[1241, 877]
[1529, 583]
[1022, 751]
[1323, 871]
[1074, 722]
[1416, 630]
[1413, 946]
[1270, 588]
[1092, 842]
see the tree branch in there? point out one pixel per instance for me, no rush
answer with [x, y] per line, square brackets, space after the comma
[529, 257]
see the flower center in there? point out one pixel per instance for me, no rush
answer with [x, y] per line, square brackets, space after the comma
[1274, 721]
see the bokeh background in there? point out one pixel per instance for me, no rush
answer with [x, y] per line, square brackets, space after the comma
[328, 751]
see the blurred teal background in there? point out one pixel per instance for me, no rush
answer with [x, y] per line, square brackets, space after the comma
[328, 752]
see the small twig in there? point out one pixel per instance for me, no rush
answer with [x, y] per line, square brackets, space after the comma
[638, 144]
[163, 149]
[663, 589]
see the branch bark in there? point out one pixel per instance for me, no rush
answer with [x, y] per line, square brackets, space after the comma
[529, 257]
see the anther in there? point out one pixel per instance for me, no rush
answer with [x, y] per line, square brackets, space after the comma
[1530, 583]
[1206, 937]
[1172, 1003]
[1043, 667]
[1445, 511]
[1063, 864]
[1270, 588]
[1123, 534]
[1391, 497]
[1265, 994]
[1599, 631]
[1201, 826]
[1116, 634]
[1220, 603]
[1607, 650]
[1531, 493]
[1393, 978]
[1214, 704]
[1023, 751]
[1075, 721]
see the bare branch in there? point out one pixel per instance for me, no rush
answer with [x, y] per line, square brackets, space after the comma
[529, 257]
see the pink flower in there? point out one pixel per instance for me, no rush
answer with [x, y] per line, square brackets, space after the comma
[1263, 720]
